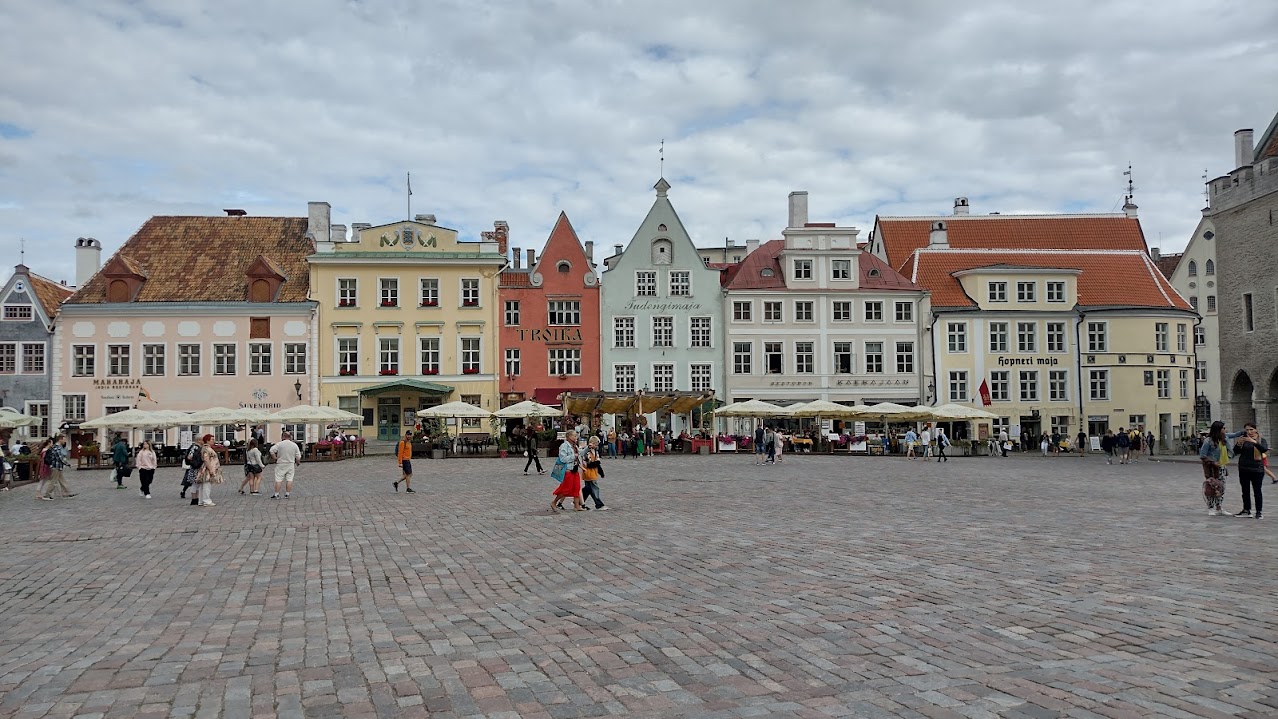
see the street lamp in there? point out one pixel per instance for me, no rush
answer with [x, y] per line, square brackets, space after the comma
[297, 387]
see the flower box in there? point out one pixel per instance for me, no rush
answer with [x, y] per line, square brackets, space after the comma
[346, 372]
[470, 303]
[346, 303]
[430, 303]
[430, 371]
[470, 371]
[389, 304]
[388, 372]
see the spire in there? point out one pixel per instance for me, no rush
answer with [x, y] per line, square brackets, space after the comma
[661, 187]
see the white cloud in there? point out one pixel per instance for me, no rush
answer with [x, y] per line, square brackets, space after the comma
[515, 111]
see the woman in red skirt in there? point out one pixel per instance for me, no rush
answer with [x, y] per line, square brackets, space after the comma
[570, 487]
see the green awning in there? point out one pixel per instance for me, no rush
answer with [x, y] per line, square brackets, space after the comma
[408, 385]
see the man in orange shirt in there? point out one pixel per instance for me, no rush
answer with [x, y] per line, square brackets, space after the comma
[404, 456]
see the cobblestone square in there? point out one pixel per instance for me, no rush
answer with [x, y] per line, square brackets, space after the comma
[822, 587]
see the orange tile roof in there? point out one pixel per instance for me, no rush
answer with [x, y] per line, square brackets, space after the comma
[49, 294]
[1167, 264]
[204, 259]
[515, 278]
[901, 236]
[875, 274]
[1107, 278]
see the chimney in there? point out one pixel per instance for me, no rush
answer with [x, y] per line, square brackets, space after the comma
[358, 227]
[235, 213]
[1155, 254]
[424, 219]
[88, 258]
[499, 234]
[960, 206]
[798, 210]
[590, 251]
[616, 250]
[516, 259]
[1243, 148]
[1129, 208]
[752, 245]
[532, 259]
[318, 216]
[938, 236]
[337, 233]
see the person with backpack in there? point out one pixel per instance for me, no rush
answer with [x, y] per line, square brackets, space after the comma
[404, 456]
[1123, 442]
[191, 461]
[120, 460]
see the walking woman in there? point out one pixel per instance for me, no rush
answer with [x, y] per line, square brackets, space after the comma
[1214, 455]
[1250, 450]
[532, 451]
[210, 471]
[252, 469]
[570, 487]
[146, 462]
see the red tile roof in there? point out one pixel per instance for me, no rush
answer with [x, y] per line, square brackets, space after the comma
[1107, 278]
[205, 259]
[48, 293]
[901, 236]
[1167, 264]
[875, 274]
[515, 278]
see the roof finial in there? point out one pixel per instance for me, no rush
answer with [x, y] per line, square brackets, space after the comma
[661, 158]
[22, 250]
[1206, 194]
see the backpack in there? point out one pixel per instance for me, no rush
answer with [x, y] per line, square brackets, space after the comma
[194, 457]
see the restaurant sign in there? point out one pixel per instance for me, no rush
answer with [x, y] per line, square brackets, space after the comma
[550, 335]
[117, 383]
[871, 383]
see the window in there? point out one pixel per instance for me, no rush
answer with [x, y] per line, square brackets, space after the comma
[701, 378]
[73, 407]
[772, 312]
[680, 284]
[512, 313]
[348, 355]
[1055, 336]
[1000, 386]
[429, 291]
[1184, 384]
[474, 400]
[564, 312]
[8, 358]
[188, 360]
[998, 337]
[1056, 390]
[1200, 370]
[904, 357]
[295, 358]
[958, 386]
[83, 360]
[623, 378]
[1026, 337]
[223, 359]
[1097, 337]
[874, 311]
[389, 291]
[259, 328]
[153, 360]
[1055, 291]
[1211, 303]
[1160, 337]
[841, 269]
[1098, 385]
[388, 355]
[1029, 386]
[742, 357]
[1209, 268]
[563, 266]
[843, 358]
[470, 292]
[118, 364]
[428, 349]
[904, 311]
[470, 355]
[699, 328]
[1026, 292]
[663, 378]
[998, 292]
[18, 312]
[259, 358]
[772, 363]
[804, 358]
[1164, 384]
[803, 311]
[873, 357]
[1248, 318]
[224, 433]
[33, 358]
[742, 311]
[347, 292]
[1193, 269]
[663, 332]
[1149, 378]
[1193, 302]
[565, 362]
[1200, 336]
[842, 311]
[646, 283]
[1182, 338]
[623, 332]
[956, 336]
[803, 269]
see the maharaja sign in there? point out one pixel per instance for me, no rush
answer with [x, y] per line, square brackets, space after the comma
[116, 383]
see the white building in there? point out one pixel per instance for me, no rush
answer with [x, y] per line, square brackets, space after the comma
[1195, 278]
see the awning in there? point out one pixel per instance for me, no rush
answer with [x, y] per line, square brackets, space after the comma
[408, 385]
[629, 404]
[550, 395]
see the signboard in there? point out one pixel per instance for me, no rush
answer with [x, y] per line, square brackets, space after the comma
[185, 439]
[858, 428]
[982, 431]
[1096, 444]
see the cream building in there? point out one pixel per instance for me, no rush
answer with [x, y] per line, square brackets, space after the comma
[408, 319]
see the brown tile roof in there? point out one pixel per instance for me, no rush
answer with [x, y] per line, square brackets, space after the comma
[204, 259]
[48, 293]
[515, 278]
[901, 236]
[1167, 264]
[875, 274]
[1107, 278]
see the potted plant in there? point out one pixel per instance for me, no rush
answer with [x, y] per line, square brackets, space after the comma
[430, 370]
[470, 370]
[503, 445]
[388, 372]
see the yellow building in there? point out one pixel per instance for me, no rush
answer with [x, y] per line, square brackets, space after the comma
[407, 319]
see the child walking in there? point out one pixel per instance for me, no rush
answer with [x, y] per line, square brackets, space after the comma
[591, 473]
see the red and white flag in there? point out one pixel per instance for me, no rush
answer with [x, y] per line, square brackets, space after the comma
[985, 393]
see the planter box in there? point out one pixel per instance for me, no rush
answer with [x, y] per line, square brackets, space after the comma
[437, 454]
[704, 451]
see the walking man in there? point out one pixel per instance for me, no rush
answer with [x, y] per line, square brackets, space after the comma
[1003, 441]
[404, 456]
[57, 458]
[910, 440]
[925, 441]
[286, 454]
[532, 451]
[120, 458]
[759, 446]
[1123, 441]
[941, 443]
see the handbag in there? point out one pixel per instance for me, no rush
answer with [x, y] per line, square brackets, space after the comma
[558, 472]
[254, 468]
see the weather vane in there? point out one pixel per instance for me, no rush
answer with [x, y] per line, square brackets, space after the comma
[661, 155]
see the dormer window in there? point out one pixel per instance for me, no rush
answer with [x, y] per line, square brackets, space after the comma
[563, 266]
[124, 279]
[263, 280]
[766, 272]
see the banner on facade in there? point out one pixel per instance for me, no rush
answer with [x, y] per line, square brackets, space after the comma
[985, 393]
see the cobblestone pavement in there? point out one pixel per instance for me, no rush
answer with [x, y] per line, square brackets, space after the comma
[823, 587]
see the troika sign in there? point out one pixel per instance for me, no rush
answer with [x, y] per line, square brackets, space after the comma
[550, 335]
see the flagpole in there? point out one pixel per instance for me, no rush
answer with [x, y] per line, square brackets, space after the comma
[409, 181]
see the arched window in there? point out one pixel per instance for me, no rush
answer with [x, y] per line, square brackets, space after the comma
[1193, 268]
[1210, 267]
[118, 291]
[563, 266]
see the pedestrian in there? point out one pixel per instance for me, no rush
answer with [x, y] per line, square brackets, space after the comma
[1269, 472]
[403, 458]
[191, 464]
[1109, 443]
[210, 471]
[532, 450]
[146, 462]
[942, 442]
[1044, 443]
[1004, 441]
[120, 460]
[1149, 442]
[770, 444]
[59, 458]
[612, 443]
[925, 441]
[287, 454]
[566, 470]
[760, 447]
[910, 440]
[252, 468]
[780, 444]
[1214, 455]
[1082, 443]
[591, 473]
[1123, 441]
[640, 443]
[1250, 450]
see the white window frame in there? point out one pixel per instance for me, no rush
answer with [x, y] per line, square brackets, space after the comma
[1057, 385]
[773, 311]
[512, 362]
[1055, 291]
[84, 360]
[510, 312]
[1162, 338]
[260, 360]
[388, 355]
[1163, 383]
[29, 359]
[388, 292]
[220, 361]
[563, 313]
[624, 377]
[840, 270]
[804, 357]
[680, 283]
[430, 356]
[645, 283]
[742, 356]
[74, 407]
[843, 357]
[956, 337]
[905, 357]
[873, 357]
[348, 292]
[428, 292]
[1182, 337]
[347, 357]
[295, 357]
[841, 310]
[188, 354]
[1098, 385]
[873, 311]
[663, 371]
[738, 315]
[906, 316]
[701, 377]
[1055, 339]
[959, 386]
[997, 291]
[1027, 337]
[802, 269]
[1026, 291]
[999, 333]
[471, 357]
[564, 361]
[623, 332]
[663, 333]
[154, 364]
[799, 306]
[20, 313]
[701, 332]
[1098, 336]
[119, 360]
[770, 350]
[469, 290]
[1000, 385]
[1027, 379]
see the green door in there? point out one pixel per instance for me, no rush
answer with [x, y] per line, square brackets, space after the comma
[388, 418]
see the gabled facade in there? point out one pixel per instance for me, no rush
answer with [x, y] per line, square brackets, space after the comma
[1195, 278]
[662, 311]
[30, 305]
[550, 321]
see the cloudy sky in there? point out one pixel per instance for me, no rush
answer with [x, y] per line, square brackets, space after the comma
[112, 111]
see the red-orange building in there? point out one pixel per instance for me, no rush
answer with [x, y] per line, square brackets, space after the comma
[550, 320]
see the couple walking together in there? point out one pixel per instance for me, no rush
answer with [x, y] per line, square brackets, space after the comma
[579, 470]
[1251, 451]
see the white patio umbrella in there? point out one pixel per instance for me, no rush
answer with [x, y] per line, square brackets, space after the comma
[898, 412]
[128, 419]
[832, 410]
[958, 412]
[224, 415]
[455, 409]
[309, 414]
[12, 420]
[528, 408]
[751, 408]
